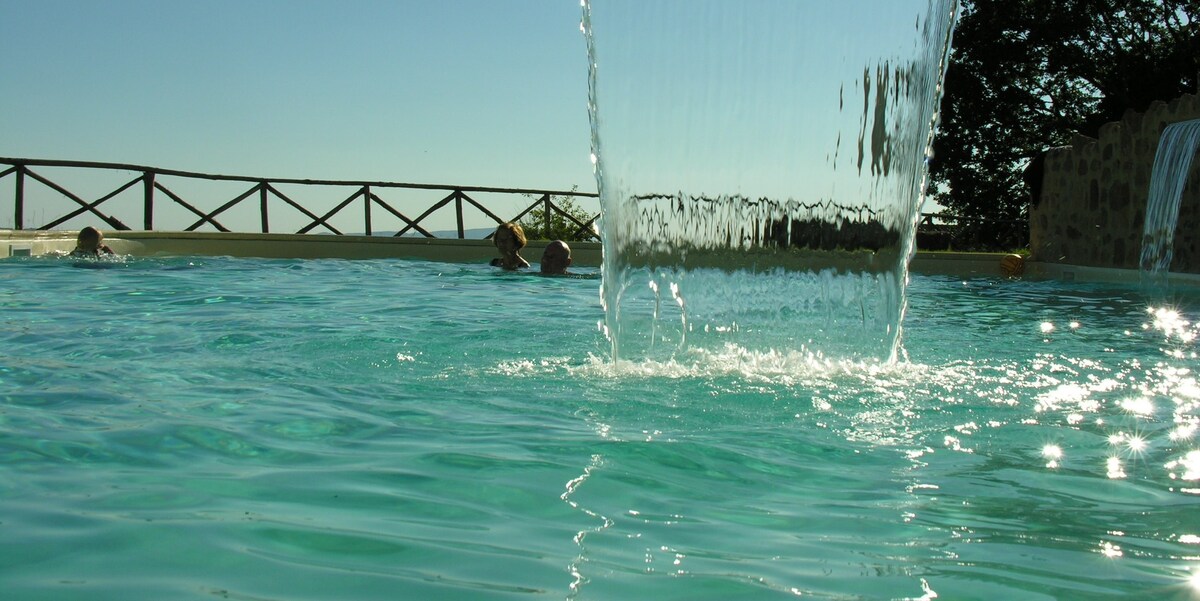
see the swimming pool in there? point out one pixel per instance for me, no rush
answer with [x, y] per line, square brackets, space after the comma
[177, 428]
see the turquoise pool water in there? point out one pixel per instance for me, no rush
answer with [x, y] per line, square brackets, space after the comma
[198, 428]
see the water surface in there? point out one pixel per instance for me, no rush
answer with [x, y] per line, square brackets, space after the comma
[195, 428]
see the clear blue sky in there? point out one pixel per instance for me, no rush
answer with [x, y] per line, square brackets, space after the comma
[468, 92]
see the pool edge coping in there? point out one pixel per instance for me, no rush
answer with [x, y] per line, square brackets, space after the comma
[586, 254]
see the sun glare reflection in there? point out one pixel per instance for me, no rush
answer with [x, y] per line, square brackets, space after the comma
[1140, 406]
[1053, 453]
[1185, 468]
[1183, 432]
[1171, 324]
[1134, 444]
[1115, 471]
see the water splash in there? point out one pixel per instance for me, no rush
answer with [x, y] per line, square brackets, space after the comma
[761, 168]
[1172, 163]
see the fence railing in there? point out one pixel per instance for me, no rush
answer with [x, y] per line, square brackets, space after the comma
[366, 195]
[366, 198]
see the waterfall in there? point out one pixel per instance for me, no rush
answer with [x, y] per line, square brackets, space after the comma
[1172, 161]
[761, 168]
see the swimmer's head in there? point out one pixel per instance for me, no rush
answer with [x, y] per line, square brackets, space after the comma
[509, 237]
[556, 258]
[89, 239]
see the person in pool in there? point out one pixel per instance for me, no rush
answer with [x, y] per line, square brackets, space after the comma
[509, 240]
[90, 243]
[556, 258]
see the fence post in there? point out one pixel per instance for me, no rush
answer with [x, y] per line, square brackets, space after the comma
[546, 205]
[458, 212]
[262, 207]
[19, 208]
[366, 192]
[148, 200]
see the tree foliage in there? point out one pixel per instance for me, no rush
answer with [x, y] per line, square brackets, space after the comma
[565, 220]
[1026, 75]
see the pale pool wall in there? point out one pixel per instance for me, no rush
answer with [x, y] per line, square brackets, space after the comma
[297, 246]
[312, 246]
[585, 254]
[1093, 203]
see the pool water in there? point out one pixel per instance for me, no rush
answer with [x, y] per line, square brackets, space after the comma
[198, 428]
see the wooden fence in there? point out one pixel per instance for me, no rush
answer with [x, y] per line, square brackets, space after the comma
[366, 196]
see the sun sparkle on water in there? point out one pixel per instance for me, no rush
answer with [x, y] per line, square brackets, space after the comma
[1114, 469]
[1186, 467]
[1053, 453]
[1171, 323]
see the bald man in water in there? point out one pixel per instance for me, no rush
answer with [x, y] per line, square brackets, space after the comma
[556, 258]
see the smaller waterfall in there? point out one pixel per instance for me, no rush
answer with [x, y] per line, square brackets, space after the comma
[1172, 161]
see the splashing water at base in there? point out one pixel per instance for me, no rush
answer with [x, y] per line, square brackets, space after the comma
[761, 168]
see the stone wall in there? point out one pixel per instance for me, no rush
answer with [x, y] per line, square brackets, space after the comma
[1093, 202]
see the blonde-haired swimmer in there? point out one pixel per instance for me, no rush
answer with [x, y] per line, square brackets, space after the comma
[509, 240]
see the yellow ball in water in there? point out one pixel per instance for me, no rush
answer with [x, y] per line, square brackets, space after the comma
[1012, 265]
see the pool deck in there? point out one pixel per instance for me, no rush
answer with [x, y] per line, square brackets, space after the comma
[586, 254]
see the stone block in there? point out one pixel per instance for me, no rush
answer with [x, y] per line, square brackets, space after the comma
[1080, 142]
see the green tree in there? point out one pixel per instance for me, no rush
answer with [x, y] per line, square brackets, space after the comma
[1026, 75]
[568, 221]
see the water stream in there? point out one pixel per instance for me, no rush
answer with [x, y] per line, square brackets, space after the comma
[761, 167]
[1172, 163]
